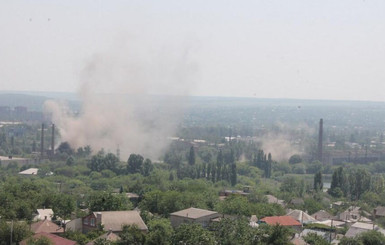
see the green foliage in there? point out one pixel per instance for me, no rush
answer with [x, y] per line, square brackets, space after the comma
[314, 239]
[191, 156]
[193, 234]
[102, 201]
[160, 232]
[131, 234]
[318, 182]
[135, 163]
[295, 159]
[20, 231]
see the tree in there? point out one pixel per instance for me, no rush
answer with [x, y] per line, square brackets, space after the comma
[131, 235]
[372, 238]
[318, 183]
[65, 147]
[102, 201]
[233, 174]
[295, 159]
[193, 234]
[314, 239]
[219, 165]
[232, 231]
[147, 167]
[160, 232]
[70, 161]
[191, 156]
[135, 163]
[359, 182]
[278, 235]
[63, 205]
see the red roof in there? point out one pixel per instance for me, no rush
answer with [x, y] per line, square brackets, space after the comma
[56, 240]
[46, 226]
[281, 220]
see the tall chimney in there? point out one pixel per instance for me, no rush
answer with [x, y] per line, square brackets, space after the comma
[53, 141]
[320, 140]
[42, 141]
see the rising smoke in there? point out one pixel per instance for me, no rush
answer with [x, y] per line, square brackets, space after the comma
[285, 140]
[121, 102]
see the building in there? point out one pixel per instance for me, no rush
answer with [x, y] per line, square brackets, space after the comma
[112, 221]
[193, 215]
[29, 172]
[301, 216]
[287, 221]
[46, 226]
[43, 214]
[359, 227]
[272, 199]
[322, 215]
[55, 240]
[379, 212]
[109, 236]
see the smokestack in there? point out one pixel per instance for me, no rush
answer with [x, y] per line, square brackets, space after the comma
[53, 141]
[42, 141]
[320, 140]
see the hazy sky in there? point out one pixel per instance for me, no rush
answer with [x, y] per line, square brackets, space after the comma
[321, 49]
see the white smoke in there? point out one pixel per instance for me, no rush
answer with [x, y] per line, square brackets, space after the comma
[286, 140]
[119, 108]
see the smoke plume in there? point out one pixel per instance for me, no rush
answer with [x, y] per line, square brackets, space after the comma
[285, 140]
[122, 102]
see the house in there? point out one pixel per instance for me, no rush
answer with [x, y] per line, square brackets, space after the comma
[272, 199]
[74, 225]
[359, 227]
[29, 172]
[109, 236]
[43, 214]
[296, 202]
[253, 221]
[193, 215]
[379, 212]
[112, 220]
[322, 215]
[301, 216]
[353, 214]
[46, 226]
[284, 221]
[332, 223]
[55, 240]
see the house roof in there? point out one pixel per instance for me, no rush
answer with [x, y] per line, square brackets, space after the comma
[109, 236]
[114, 220]
[46, 226]
[194, 213]
[281, 220]
[380, 211]
[301, 216]
[42, 214]
[273, 199]
[56, 240]
[297, 201]
[322, 215]
[30, 171]
[358, 227]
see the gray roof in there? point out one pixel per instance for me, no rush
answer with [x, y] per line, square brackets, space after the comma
[30, 171]
[358, 227]
[301, 216]
[322, 215]
[194, 213]
[380, 211]
[114, 220]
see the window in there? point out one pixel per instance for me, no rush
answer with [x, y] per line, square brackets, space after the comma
[85, 221]
[92, 221]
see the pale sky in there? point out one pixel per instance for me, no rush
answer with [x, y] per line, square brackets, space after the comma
[321, 49]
